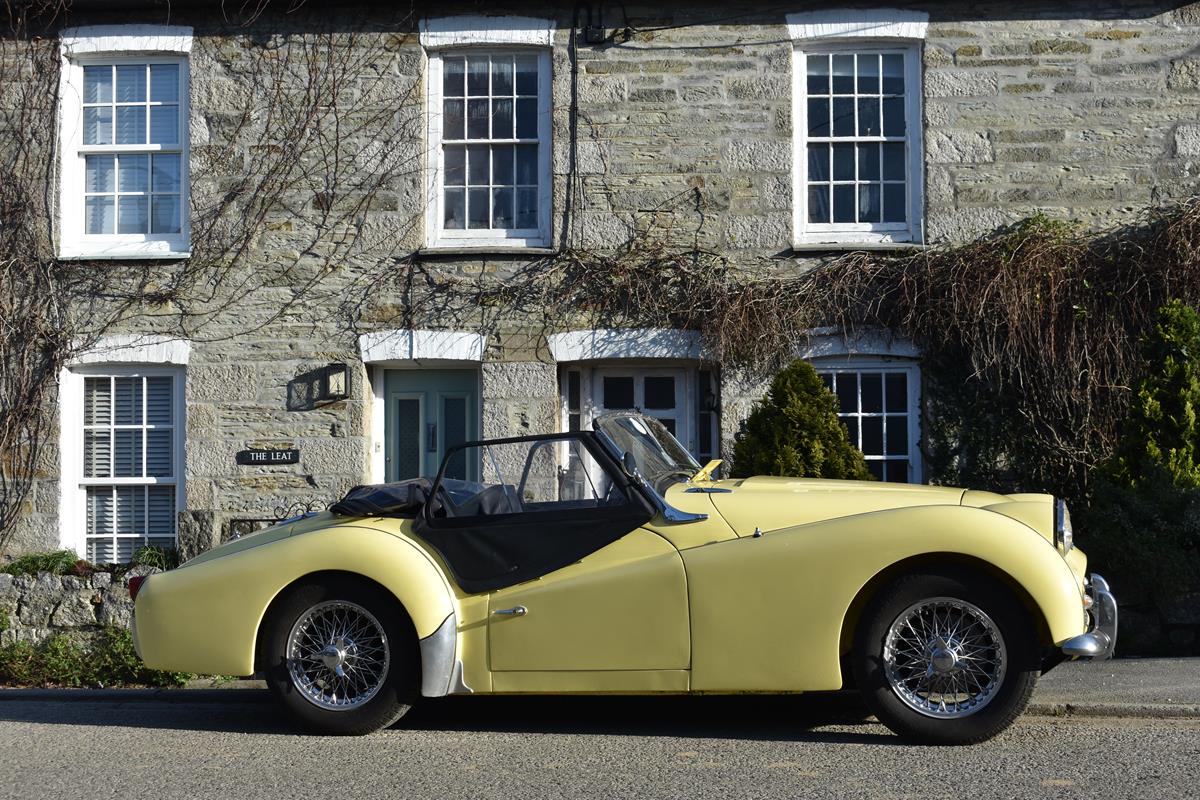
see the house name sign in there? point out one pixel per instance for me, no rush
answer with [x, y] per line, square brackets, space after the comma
[259, 458]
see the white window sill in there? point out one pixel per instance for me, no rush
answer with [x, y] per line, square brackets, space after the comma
[121, 252]
[485, 249]
[812, 246]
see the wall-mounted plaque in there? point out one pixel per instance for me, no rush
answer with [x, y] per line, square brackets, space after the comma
[261, 458]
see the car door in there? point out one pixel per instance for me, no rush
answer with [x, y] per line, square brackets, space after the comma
[576, 585]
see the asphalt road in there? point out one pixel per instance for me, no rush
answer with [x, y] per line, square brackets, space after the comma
[549, 748]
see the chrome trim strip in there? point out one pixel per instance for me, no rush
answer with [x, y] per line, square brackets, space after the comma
[439, 662]
[708, 490]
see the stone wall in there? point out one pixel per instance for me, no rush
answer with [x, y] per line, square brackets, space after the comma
[1072, 109]
[35, 607]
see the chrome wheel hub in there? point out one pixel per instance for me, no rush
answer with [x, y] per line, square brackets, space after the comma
[337, 655]
[944, 657]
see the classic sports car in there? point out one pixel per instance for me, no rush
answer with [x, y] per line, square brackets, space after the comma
[609, 561]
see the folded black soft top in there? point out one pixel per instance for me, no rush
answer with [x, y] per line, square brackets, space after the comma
[401, 499]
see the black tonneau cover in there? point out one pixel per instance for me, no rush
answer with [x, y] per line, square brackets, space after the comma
[401, 499]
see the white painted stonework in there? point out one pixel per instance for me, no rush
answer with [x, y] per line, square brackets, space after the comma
[477, 29]
[126, 39]
[133, 348]
[823, 343]
[406, 344]
[602, 343]
[858, 23]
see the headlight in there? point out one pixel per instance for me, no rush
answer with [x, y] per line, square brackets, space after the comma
[1064, 536]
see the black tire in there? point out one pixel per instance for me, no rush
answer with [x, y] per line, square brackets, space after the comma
[393, 696]
[1008, 697]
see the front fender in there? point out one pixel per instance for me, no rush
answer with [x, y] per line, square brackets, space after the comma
[767, 612]
[205, 617]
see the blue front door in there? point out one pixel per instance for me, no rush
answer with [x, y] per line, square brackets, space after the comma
[429, 411]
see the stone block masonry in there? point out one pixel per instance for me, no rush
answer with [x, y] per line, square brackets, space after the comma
[35, 607]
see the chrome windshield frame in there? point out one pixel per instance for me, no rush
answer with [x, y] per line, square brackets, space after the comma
[668, 511]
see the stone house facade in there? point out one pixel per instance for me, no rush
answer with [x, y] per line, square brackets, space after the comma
[506, 137]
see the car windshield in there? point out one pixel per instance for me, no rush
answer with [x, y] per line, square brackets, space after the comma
[659, 456]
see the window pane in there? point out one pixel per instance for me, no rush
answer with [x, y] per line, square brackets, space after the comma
[477, 76]
[97, 84]
[818, 162]
[97, 454]
[893, 161]
[868, 202]
[527, 174]
[527, 75]
[843, 116]
[897, 391]
[164, 214]
[160, 516]
[455, 213]
[897, 436]
[893, 116]
[98, 215]
[99, 174]
[852, 430]
[868, 116]
[128, 405]
[133, 173]
[868, 162]
[893, 74]
[477, 165]
[669, 424]
[453, 76]
[408, 438]
[897, 471]
[456, 166]
[477, 208]
[618, 392]
[166, 173]
[452, 119]
[131, 124]
[573, 390]
[527, 118]
[130, 513]
[132, 215]
[158, 400]
[454, 413]
[97, 401]
[477, 119]
[502, 165]
[868, 73]
[876, 469]
[527, 209]
[131, 83]
[872, 436]
[818, 203]
[164, 124]
[894, 202]
[818, 116]
[843, 74]
[127, 453]
[99, 513]
[502, 75]
[847, 392]
[502, 119]
[97, 125]
[502, 208]
[818, 74]
[164, 83]
[843, 162]
[872, 392]
[660, 392]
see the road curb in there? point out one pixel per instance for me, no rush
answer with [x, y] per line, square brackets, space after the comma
[1119, 710]
[207, 694]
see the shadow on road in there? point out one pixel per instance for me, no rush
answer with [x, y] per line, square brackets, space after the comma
[756, 718]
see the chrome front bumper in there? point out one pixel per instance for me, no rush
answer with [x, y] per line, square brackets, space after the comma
[1101, 640]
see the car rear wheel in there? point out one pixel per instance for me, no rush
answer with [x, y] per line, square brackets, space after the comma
[340, 657]
[946, 658]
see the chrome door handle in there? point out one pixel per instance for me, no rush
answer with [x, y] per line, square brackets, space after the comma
[515, 611]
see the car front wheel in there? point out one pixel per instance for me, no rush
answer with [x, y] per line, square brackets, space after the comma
[946, 658]
[340, 658]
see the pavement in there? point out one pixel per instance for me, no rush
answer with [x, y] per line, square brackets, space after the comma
[1151, 688]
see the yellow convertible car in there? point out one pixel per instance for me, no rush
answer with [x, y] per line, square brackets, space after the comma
[609, 562]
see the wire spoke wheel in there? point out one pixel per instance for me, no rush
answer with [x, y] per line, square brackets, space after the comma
[944, 657]
[337, 655]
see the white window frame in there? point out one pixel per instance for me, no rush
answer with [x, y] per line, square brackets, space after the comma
[73, 483]
[118, 44]
[865, 30]
[477, 35]
[912, 370]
